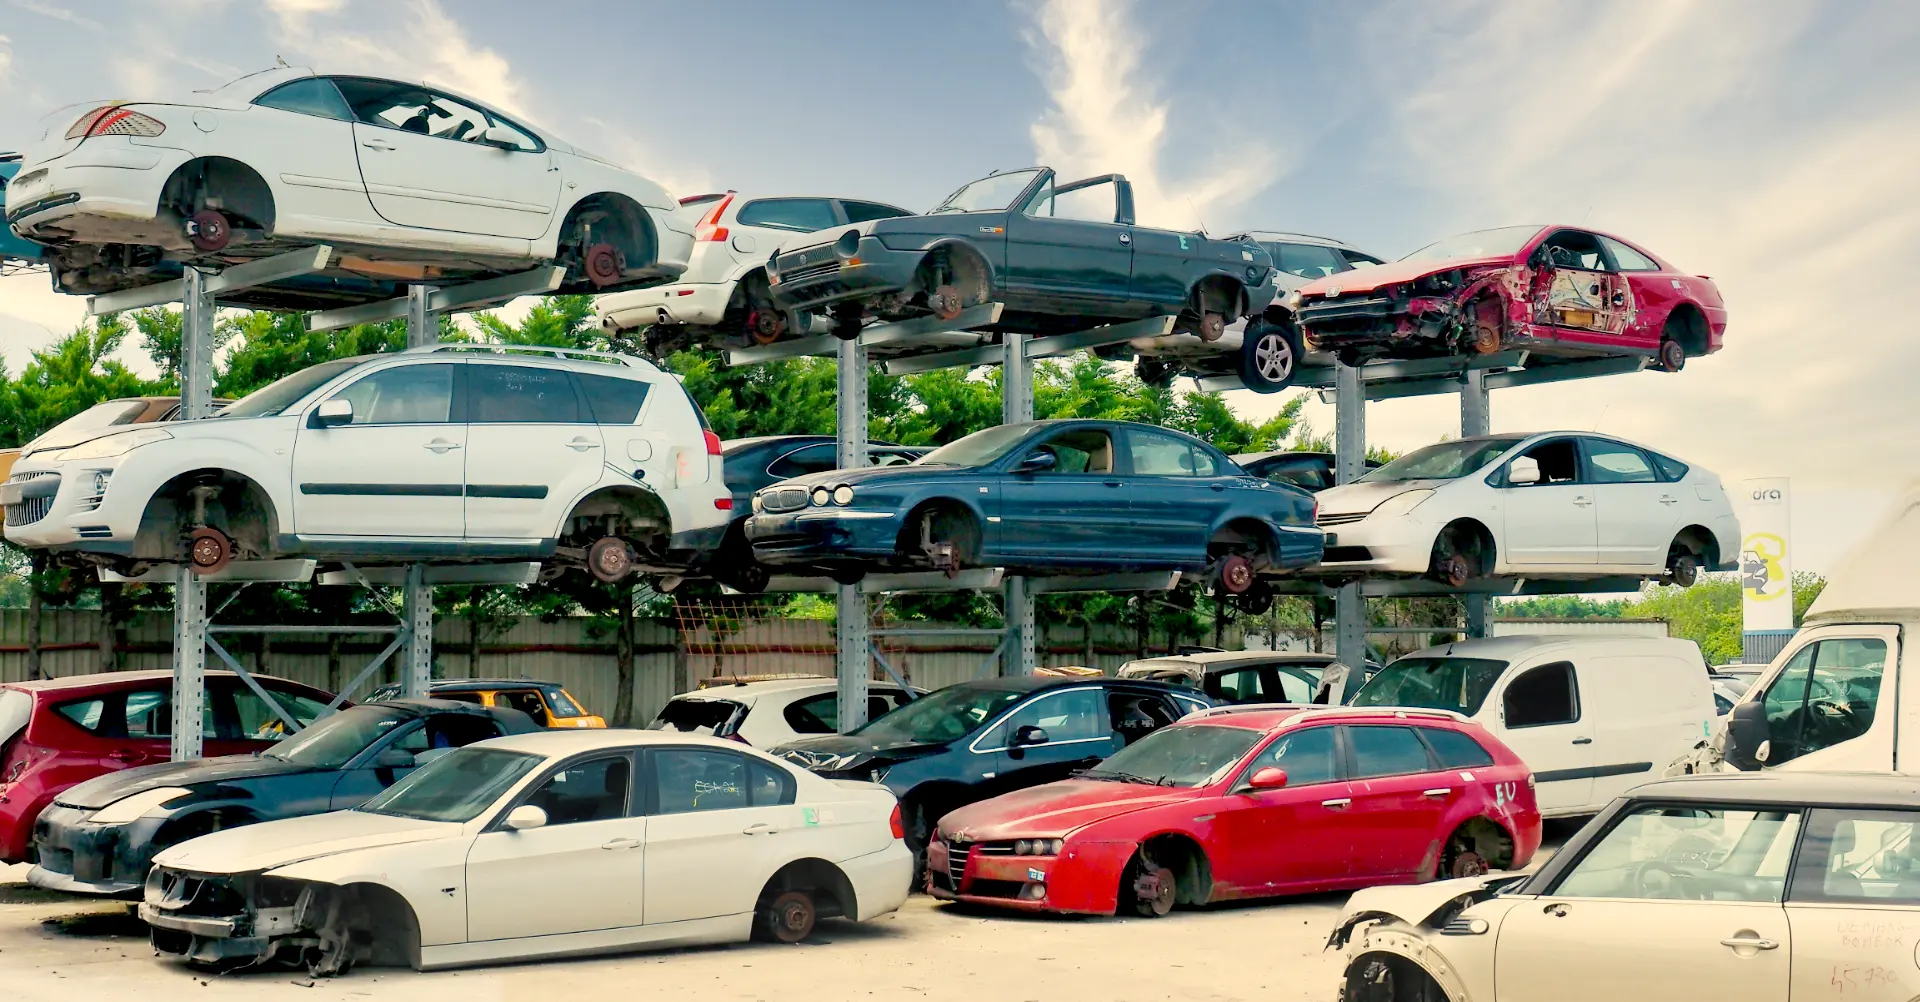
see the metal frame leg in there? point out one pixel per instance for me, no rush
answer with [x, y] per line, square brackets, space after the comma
[423, 326]
[853, 664]
[1350, 458]
[1475, 419]
[189, 662]
[417, 603]
[1016, 405]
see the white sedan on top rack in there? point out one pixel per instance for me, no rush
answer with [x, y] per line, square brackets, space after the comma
[408, 183]
[1546, 505]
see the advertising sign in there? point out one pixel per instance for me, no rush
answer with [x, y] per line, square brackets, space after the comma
[1766, 568]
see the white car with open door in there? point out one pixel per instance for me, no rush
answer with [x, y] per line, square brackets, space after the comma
[454, 452]
[1564, 505]
[408, 183]
[540, 845]
[722, 298]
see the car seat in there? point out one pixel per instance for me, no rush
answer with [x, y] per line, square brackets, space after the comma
[1839, 883]
[615, 787]
[1100, 459]
[417, 123]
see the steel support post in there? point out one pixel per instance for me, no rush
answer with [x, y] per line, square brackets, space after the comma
[189, 591]
[416, 672]
[1016, 405]
[1475, 419]
[1349, 461]
[423, 327]
[853, 658]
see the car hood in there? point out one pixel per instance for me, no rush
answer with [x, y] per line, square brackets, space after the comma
[1054, 810]
[103, 790]
[844, 752]
[1363, 497]
[1417, 904]
[1393, 273]
[274, 844]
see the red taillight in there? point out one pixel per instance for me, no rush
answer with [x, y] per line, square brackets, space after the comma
[724, 504]
[1316, 510]
[713, 442]
[709, 228]
[894, 822]
[113, 120]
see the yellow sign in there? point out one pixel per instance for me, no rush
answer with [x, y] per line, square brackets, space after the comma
[1763, 567]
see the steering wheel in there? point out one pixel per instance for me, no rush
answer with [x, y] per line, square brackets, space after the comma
[1662, 882]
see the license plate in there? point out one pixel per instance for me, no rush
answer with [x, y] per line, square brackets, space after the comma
[10, 494]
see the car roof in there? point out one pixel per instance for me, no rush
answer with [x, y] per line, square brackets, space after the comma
[1854, 789]
[571, 742]
[1512, 647]
[1268, 716]
[1876, 581]
[466, 684]
[1288, 236]
[112, 679]
[1213, 659]
[750, 690]
[420, 707]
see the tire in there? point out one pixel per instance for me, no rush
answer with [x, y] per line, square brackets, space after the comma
[1269, 356]
[786, 917]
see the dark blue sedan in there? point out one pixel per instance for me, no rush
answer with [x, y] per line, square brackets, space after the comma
[1060, 496]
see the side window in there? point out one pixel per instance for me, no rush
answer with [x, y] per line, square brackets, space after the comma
[1670, 469]
[316, 96]
[1855, 856]
[1613, 463]
[88, 714]
[407, 394]
[802, 215]
[1559, 462]
[1134, 715]
[1575, 250]
[1387, 751]
[1828, 693]
[518, 394]
[799, 463]
[1294, 687]
[1308, 261]
[1241, 686]
[1545, 695]
[458, 697]
[1307, 477]
[254, 720]
[1075, 715]
[1204, 464]
[593, 790]
[1086, 450]
[1686, 854]
[814, 715]
[149, 714]
[527, 701]
[1041, 204]
[1456, 750]
[695, 779]
[613, 400]
[1095, 203]
[1627, 258]
[1355, 259]
[415, 109]
[443, 733]
[860, 212]
[1306, 754]
[1161, 455]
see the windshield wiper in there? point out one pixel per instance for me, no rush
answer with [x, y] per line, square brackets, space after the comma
[1122, 777]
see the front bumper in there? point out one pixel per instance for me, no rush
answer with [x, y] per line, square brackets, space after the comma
[1084, 880]
[696, 304]
[209, 919]
[819, 534]
[1376, 546]
[818, 277]
[61, 506]
[78, 857]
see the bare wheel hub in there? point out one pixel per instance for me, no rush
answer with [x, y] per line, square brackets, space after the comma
[1468, 864]
[208, 549]
[945, 302]
[1211, 326]
[610, 559]
[208, 230]
[602, 264]
[1454, 570]
[765, 325]
[1236, 574]
[1154, 889]
[791, 916]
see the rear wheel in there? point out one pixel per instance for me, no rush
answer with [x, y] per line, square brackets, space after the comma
[1269, 354]
[1683, 567]
[1673, 355]
[209, 230]
[610, 559]
[786, 917]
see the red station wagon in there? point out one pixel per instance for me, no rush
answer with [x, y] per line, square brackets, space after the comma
[1244, 802]
[58, 732]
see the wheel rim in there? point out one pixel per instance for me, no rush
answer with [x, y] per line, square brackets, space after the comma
[1273, 358]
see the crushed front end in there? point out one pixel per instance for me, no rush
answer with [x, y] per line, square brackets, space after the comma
[1452, 312]
[247, 919]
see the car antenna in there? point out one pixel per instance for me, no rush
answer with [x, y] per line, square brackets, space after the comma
[1602, 417]
[281, 62]
[1196, 214]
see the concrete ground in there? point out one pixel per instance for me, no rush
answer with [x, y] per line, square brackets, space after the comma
[55, 948]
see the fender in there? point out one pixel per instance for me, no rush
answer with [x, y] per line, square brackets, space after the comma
[603, 485]
[1391, 937]
[942, 241]
[227, 453]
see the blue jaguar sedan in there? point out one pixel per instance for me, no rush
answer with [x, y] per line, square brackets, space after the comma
[1052, 496]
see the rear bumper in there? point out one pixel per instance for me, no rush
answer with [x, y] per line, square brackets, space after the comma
[881, 880]
[1299, 546]
[698, 304]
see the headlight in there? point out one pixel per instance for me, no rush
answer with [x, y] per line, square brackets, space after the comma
[843, 494]
[1038, 847]
[821, 496]
[759, 504]
[136, 807]
[1401, 504]
[108, 446]
[848, 245]
[1294, 299]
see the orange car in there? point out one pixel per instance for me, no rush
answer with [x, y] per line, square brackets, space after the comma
[547, 703]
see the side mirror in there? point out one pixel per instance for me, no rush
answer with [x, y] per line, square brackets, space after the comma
[394, 758]
[1523, 471]
[1747, 740]
[1029, 735]
[1037, 462]
[1269, 778]
[500, 136]
[526, 817]
[332, 413]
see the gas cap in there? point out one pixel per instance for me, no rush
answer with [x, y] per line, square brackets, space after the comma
[743, 243]
[206, 121]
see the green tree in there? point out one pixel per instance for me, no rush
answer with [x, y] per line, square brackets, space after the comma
[67, 377]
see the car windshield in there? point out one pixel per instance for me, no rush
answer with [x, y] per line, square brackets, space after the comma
[1504, 240]
[334, 741]
[1197, 755]
[947, 715]
[110, 414]
[284, 392]
[1446, 461]
[978, 449]
[455, 787]
[1457, 684]
[988, 194]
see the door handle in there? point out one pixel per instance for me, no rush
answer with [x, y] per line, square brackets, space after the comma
[378, 144]
[1439, 792]
[1218, 488]
[760, 829]
[1112, 483]
[441, 445]
[1557, 910]
[1337, 803]
[1126, 238]
[1583, 502]
[620, 843]
[1669, 499]
[582, 444]
[1749, 943]
[1583, 741]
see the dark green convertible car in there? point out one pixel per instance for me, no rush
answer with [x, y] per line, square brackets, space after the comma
[1062, 257]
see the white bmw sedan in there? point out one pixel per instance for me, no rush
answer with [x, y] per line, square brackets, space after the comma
[1546, 505]
[408, 183]
[560, 843]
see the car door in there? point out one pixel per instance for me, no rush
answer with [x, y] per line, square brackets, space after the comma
[1079, 508]
[1577, 294]
[1665, 898]
[636, 445]
[396, 469]
[1635, 515]
[1395, 814]
[1543, 721]
[584, 870]
[1071, 242]
[1298, 836]
[720, 826]
[532, 450]
[1078, 731]
[120, 730]
[1549, 523]
[427, 163]
[1822, 707]
[1175, 494]
[1853, 903]
[1652, 292]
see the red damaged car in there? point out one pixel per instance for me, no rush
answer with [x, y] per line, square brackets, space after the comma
[1553, 290]
[1244, 802]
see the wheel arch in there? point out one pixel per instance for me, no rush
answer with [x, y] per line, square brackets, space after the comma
[249, 491]
[1187, 858]
[1223, 285]
[949, 244]
[634, 233]
[1486, 836]
[1403, 949]
[931, 501]
[392, 922]
[833, 893]
[1246, 526]
[630, 500]
[230, 180]
[1704, 542]
[1692, 322]
[1490, 555]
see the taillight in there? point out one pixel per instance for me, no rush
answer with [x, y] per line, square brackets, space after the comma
[724, 504]
[113, 120]
[709, 228]
[713, 441]
[1316, 510]
[894, 822]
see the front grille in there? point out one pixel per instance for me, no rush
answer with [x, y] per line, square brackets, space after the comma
[29, 511]
[809, 273]
[957, 853]
[1340, 309]
[786, 499]
[1345, 554]
[1326, 519]
[804, 258]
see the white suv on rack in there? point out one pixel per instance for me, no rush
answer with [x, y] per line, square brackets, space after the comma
[448, 453]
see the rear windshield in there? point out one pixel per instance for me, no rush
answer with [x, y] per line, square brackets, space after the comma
[697, 716]
[560, 704]
[16, 708]
[1457, 684]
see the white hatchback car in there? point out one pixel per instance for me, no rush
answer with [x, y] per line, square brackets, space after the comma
[409, 184]
[723, 294]
[768, 713]
[450, 452]
[1546, 505]
[539, 845]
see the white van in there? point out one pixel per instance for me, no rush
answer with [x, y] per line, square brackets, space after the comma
[1591, 716]
[1832, 700]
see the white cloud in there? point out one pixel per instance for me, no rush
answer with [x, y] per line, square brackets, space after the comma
[426, 45]
[1106, 117]
[57, 12]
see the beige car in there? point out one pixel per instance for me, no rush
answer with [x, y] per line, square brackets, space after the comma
[1760, 888]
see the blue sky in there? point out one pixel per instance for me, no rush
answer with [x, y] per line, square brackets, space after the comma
[1772, 145]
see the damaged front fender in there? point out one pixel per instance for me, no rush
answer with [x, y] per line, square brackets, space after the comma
[1419, 905]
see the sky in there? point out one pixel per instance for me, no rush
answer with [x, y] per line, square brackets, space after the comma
[1772, 145]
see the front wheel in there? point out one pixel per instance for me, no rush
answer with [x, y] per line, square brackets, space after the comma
[1269, 356]
[1147, 888]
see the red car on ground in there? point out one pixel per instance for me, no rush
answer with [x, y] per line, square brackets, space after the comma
[1554, 290]
[55, 733]
[1248, 801]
